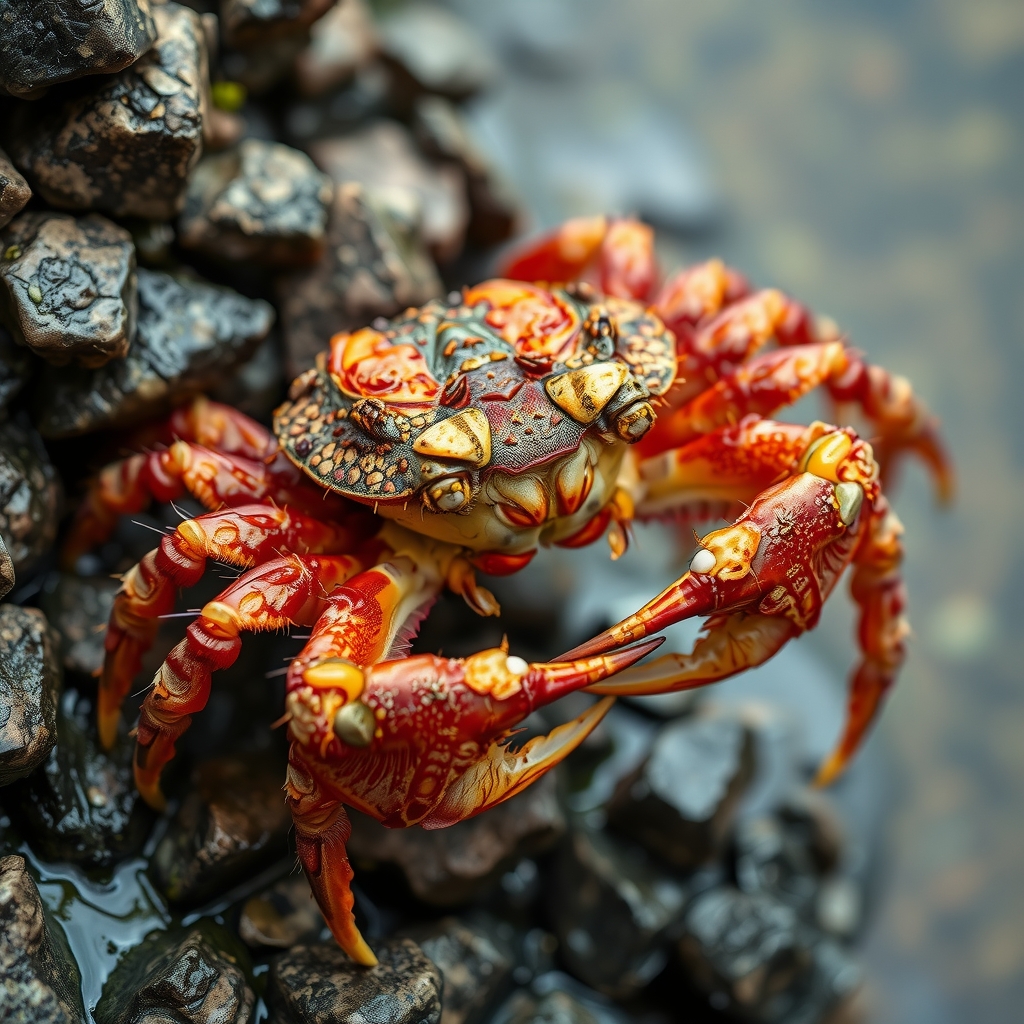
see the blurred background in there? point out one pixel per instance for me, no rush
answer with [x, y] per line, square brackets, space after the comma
[866, 158]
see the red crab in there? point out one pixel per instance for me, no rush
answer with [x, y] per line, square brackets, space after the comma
[463, 436]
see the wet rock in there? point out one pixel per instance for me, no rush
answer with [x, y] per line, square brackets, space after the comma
[442, 133]
[195, 978]
[437, 51]
[341, 42]
[190, 335]
[476, 969]
[38, 979]
[262, 201]
[614, 911]
[383, 157]
[7, 577]
[248, 23]
[125, 145]
[375, 265]
[682, 800]
[29, 495]
[450, 866]
[78, 608]
[68, 287]
[320, 983]
[14, 190]
[30, 682]
[233, 822]
[555, 998]
[262, 67]
[343, 110]
[45, 43]
[281, 916]
[81, 804]
[15, 369]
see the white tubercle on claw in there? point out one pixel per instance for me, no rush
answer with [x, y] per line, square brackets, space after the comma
[517, 666]
[702, 562]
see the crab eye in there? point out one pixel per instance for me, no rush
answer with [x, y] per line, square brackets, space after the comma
[448, 494]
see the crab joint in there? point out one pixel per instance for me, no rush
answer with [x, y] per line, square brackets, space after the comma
[493, 672]
[727, 553]
[355, 724]
[336, 674]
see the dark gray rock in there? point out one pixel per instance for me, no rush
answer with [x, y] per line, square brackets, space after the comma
[384, 158]
[233, 823]
[190, 336]
[39, 981]
[450, 866]
[555, 998]
[375, 265]
[30, 495]
[54, 41]
[320, 983]
[78, 608]
[248, 23]
[30, 682]
[262, 202]
[475, 966]
[125, 145]
[281, 916]
[81, 804]
[260, 68]
[15, 369]
[614, 910]
[7, 576]
[14, 190]
[192, 978]
[681, 802]
[341, 42]
[68, 287]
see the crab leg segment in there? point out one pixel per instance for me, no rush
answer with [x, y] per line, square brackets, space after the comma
[284, 591]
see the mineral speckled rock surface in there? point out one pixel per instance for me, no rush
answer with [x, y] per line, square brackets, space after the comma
[7, 574]
[320, 983]
[68, 287]
[232, 823]
[14, 190]
[190, 335]
[262, 201]
[450, 866]
[54, 41]
[281, 916]
[78, 608]
[681, 802]
[248, 23]
[126, 144]
[374, 265]
[30, 494]
[38, 979]
[30, 682]
[189, 979]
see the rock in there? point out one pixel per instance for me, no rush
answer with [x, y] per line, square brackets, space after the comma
[320, 983]
[248, 23]
[262, 67]
[262, 202]
[477, 972]
[233, 823]
[281, 916]
[450, 866]
[68, 288]
[345, 109]
[14, 190]
[614, 911]
[39, 981]
[190, 336]
[81, 804]
[45, 43]
[443, 134]
[15, 369]
[681, 802]
[125, 145]
[375, 265]
[383, 157]
[195, 978]
[341, 42]
[437, 51]
[555, 998]
[30, 495]
[30, 683]
[78, 608]
[7, 577]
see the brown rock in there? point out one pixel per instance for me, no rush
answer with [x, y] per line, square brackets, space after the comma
[29, 495]
[42, 44]
[281, 916]
[383, 157]
[68, 288]
[262, 67]
[249, 23]
[14, 190]
[450, 866]
[7, 576]
[78, 608]
[341, 42]
[262, 201]
[127, 144]
[15, 369]
[375, 265]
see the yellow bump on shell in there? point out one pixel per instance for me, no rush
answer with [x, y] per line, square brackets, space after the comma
[465, 436]
[823, 457]
[702, 562]
[335, 674]
[583, 393]
[850, 497]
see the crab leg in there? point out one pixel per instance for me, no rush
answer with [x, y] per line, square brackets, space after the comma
[243, 537]
[288, 590]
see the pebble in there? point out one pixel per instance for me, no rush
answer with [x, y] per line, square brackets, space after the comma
[341, 42]
[15, 369]
[7, 575]
[14, 190]
[78, 608]
[281, 916]
[246, 24]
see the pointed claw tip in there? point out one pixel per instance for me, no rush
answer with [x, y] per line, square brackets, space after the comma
[831, 769]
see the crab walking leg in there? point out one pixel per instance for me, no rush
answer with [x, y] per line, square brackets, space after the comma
[288, 590]
[243, 537]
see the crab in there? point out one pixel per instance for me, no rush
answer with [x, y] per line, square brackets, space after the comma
[555, 404]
